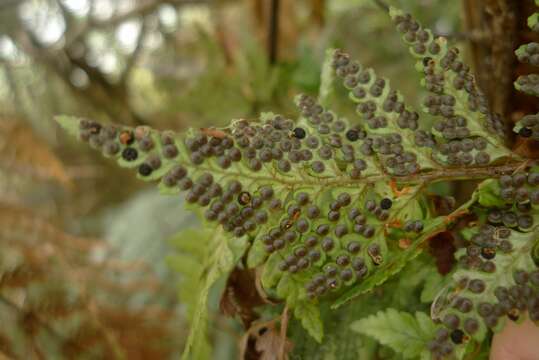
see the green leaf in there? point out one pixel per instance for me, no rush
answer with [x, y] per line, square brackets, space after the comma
[533, 20]
[69, 124]
[401, 331]
[271, 273]
[322, 189]
[309, 315]
[403, 123]
[219, 255]
[394, 265]
[327, 79]
[447, 100]
[257, 255]
[289, 290]
[201, 171]
[340, 341]
[399, 260]
[506, 263]
[528, 84]
[489, 194]
[433, 284]
[483, 280]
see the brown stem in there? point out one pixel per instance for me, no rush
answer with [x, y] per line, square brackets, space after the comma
[382, 5]
[429, 176]
[284, 328]
[493, 58]
[134, 57]
[273, 38]
[470, 173]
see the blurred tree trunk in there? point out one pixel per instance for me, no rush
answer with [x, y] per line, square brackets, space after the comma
[288, 23]
[496, 28]
[492, 24]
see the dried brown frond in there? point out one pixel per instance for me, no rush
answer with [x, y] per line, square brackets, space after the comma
[19, 276]
[6, 351]
[20, 223]
[24, 154]
[48, 279]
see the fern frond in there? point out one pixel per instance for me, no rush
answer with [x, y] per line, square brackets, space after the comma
[467, 132]
[331, 207]
[497, 279]
[528, 125]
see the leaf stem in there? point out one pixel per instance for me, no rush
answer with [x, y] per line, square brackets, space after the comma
[283, 330]
[429, 176]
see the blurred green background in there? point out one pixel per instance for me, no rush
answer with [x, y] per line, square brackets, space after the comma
[105, 290]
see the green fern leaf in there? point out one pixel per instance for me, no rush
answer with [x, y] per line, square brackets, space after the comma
[331, 207]
[466, 132]
[403, 332]
[496, 279]
[202, 265]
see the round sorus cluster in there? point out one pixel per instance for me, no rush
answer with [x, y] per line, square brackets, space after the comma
[211, 144]
[473, 304]
[484, 246]
[346, 270]
[528, 84]
[530, 55]
[520, 188]
[396, 158]
[238, 211]
[337, 239]
[333, 140]
[366, 90]
[512, 301]
[466, 151]
[378, 105]
[413, 226]
[379, 210]
[530, 126]
[424, 45]
[278, 141]
[512, 219]
[420, 40]
[113, 141]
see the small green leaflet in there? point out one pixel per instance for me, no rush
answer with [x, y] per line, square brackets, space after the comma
[289, 289]
[488, 194]
[309, 315]
[327, 79]
[401, 331]
[221, 253]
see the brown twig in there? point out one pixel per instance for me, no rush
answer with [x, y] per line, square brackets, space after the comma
[132, 60]
[284, 328]
[430, 176]
[382, 5]
[273, 32]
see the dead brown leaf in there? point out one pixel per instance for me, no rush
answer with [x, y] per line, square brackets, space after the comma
[264, 342]
[442, 248]
[270, 344]
[241, 297]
